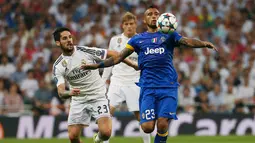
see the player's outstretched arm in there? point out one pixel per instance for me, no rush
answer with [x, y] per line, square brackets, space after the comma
[113, 60]
[65, 94]
[111, 53]
[194, 43]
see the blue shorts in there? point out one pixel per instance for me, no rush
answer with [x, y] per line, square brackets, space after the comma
[158, 102]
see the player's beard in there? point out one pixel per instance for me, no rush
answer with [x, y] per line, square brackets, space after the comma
[66, 49]
[152, 26]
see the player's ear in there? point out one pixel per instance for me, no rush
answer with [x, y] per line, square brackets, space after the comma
[144, 21]
[58, 43]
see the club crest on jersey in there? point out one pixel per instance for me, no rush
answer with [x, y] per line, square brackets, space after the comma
[163, 39]
[154, 40]
[98, 53]
[119, 40]
[83, 61]
[64, 63]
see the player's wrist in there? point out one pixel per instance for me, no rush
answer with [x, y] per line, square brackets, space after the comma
[101, 65]
[205, 44]
[66, 94]
[135, 66]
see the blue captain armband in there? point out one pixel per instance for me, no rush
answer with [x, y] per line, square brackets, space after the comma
[101, 65]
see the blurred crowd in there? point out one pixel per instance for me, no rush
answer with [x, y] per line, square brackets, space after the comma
[222, 82]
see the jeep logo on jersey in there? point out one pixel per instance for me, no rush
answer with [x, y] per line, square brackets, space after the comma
[159, 50]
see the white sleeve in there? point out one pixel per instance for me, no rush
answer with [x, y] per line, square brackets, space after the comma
[58, 76]
[97, 52]
[111, 44]
[100, 53]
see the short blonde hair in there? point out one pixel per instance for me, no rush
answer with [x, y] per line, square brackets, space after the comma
[128, 16]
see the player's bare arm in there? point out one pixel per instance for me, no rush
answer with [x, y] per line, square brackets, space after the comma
[195, 43]
[116, 59]
[113, 60]
[65, 94]
[111, 53]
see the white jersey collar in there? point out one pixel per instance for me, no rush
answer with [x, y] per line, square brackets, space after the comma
[122, 35]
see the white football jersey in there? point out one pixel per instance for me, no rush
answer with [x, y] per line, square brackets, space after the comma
[67, 68]
[121, 74]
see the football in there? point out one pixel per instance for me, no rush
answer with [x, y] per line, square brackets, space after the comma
[167, 23]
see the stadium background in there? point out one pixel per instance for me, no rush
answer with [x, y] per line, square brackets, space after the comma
[216, 92]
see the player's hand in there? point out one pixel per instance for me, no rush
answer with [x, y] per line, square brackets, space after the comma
[131, 63]
[89, 67]
[108, 81]
[211, 46]
[75, 91]
[135, 66]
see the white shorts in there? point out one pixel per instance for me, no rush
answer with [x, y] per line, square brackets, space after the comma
[82, 112]
[130, 94]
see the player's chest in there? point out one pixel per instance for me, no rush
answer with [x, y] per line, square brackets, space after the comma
[119, 44]
[154, 41]
[153, 46]
[73, 65]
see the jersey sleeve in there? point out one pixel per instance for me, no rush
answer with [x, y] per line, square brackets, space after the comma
[176, 37]
[111, 44]
[97, 52]
[58, 76]
[132, 44]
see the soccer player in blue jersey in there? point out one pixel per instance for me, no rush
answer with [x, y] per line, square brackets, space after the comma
[158, 79]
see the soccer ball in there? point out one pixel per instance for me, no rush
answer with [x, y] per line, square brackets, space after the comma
[167, 23]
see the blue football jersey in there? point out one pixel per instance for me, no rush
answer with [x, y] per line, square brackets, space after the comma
[155, 58]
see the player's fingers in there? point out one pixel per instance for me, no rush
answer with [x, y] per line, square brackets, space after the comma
[82, 67]
[75, 90]
[78, 91]
[214, 48]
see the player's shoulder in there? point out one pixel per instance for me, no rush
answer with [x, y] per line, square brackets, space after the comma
[59, 59]
[175, 33]
[86, 49]
[95, 51]
[116, 38]
[81, 48]
[137, 36]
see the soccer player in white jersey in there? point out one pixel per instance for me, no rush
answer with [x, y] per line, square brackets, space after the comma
[87, 89]
[123, 77]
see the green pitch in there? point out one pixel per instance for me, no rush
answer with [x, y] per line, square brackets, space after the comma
[178, 139]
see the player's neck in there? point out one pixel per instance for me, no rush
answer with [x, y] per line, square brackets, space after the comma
[68, 53]
[151, 30]
[129, 35]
